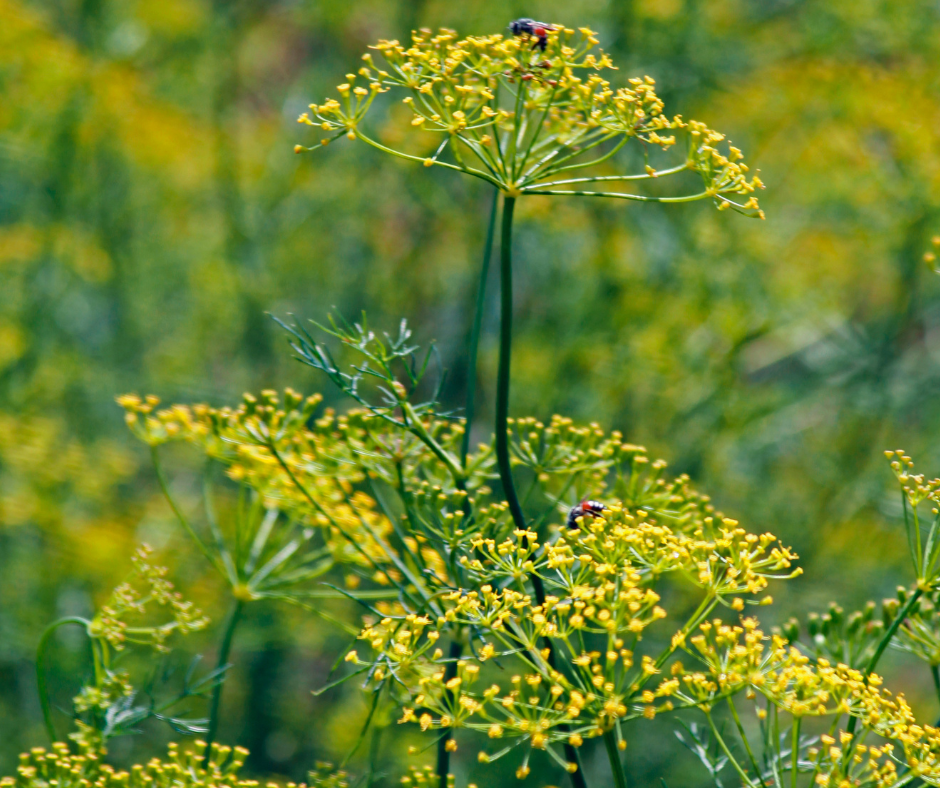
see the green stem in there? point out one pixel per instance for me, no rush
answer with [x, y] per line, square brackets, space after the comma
[390, 554]
[226, 646]
[795, 751]
[747, 744]
[373, 755]
[885, 641]
[417, 428]
[935, 672]
[571, 752]
[443, 754]
[600, 178]
[505, 364]
[475, 332]
[161, 478]
[502, 430]
[418, 159]
[621, 195]
[832, 731]
[724, 748]
[41, 649]
[613, 755]
[701, 612]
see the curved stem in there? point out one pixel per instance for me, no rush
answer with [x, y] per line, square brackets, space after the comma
[418, 159]
[613, 755]
[599, 160]
[475, 332]
[43, 687]
[226, 646]
[443, 754]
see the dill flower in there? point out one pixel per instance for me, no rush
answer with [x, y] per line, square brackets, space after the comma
[200, 766]
[525, 118]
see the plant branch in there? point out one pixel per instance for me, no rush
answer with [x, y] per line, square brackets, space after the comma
[621, 195]
[741, 733]
[502, 430]
[613, 755]
[794, 751]
[475, 333]
[502, 381]
[935, 672]
[225, 647]
[43, 687]
[601, 178]
[161, 478]
[469, 170]
[725, 749]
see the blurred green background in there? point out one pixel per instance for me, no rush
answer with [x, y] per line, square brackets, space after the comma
[152, 211]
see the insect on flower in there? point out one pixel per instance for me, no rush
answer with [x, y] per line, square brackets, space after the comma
[585, 509]
[538, 30]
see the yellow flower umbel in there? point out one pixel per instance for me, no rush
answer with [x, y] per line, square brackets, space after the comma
[525, 120]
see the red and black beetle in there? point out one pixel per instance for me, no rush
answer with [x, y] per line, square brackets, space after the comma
[585, 509]
[538, 30]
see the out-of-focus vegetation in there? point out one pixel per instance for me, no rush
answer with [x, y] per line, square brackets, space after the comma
[152, 210]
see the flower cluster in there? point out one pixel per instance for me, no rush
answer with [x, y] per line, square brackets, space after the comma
[518, 116]
[735, 658]
[572, 603]
[919, 630]
[305, 470]
[598, 580]
[105, 706]
[111, 622]
[868, 765]
[468, 577]
[915, 490]
[187, 768]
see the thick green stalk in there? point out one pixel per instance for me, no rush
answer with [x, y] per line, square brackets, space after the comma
[505, 365]
[502, 430]
[371, 775]
[443, 754]
[44, 701]
[475, 332]
[502, 380]
[215, 704]
[613, 755]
